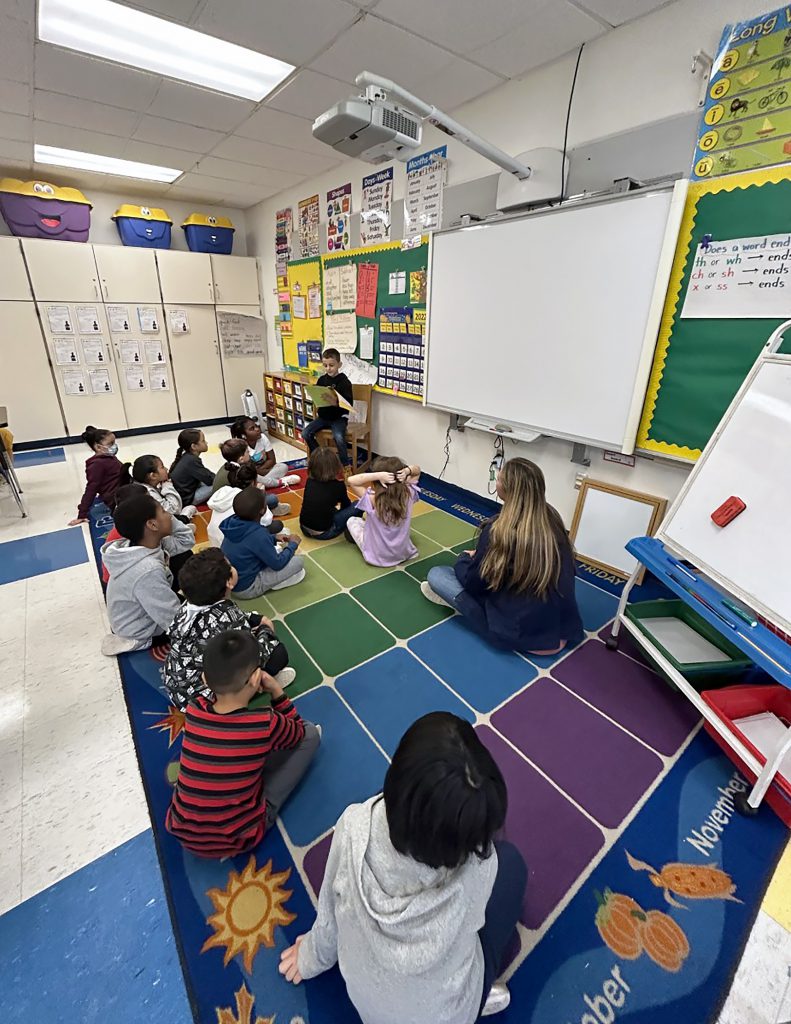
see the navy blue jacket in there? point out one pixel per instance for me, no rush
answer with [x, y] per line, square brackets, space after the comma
[250, 548]
[520, 622]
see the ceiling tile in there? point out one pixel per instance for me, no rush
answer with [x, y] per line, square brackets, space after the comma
[176, 133]
[76, 75]
[268, 125]
[233, 170]
[16, 153]
[458, 82]
[16, 48]
[309, 94]
[164, 156]
[176, 10]
[555, 29]
[46, 133]
[291, 30]
[200, 107]
[70, 110]
[16, 128]
[240, 196]
[461, 25]
[263, 154]
[15, 97]
[399, 55]
[618, 12]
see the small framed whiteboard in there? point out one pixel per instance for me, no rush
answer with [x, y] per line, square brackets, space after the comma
[606, 518]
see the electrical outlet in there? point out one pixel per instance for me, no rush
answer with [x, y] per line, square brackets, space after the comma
[578, 479]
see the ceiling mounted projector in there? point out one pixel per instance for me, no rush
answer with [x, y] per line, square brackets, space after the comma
[370, 127]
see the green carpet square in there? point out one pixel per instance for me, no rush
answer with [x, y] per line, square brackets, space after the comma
[316, 586]
[338, 634]
[467, 545]
[346, 565]
[396, 601]
[308, 675]
[444, 529]
[419, 569]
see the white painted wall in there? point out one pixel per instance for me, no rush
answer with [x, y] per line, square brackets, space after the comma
[633, 76]
[105, 204]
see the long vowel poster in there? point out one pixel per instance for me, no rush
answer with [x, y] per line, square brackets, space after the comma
[309, 227]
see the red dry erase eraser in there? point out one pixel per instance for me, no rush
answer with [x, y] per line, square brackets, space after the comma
[728, 511]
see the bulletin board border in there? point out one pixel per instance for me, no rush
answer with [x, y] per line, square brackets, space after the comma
[697, 189]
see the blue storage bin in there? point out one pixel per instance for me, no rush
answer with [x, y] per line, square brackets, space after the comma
[143, 226]
[206, 233]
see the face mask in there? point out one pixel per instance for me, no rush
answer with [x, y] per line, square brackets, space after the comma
[112, 449]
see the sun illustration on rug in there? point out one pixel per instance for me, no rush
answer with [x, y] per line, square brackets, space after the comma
[172, 723]
[248, 911]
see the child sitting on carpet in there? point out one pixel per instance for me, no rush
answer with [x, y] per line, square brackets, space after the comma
[325, 504]
[221, 503]
[190, 477]
[207, 581]
[236, 454]
[104, 472]
[272, 473]
[149, 470]
[419, 901]
[387, 496]
[238, 764]
[141, 603]
[251, 549]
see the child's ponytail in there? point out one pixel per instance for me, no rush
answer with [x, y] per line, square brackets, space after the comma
[94, 435]
[186, 439]
[392, 501]
[241, 476]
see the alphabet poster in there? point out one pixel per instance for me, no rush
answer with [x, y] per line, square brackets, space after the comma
[746, 120]
[745, 278]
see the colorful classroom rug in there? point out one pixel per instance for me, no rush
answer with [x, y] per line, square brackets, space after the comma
[643, 881]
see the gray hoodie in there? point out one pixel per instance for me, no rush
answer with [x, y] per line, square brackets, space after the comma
[403, 934]
[140, 603]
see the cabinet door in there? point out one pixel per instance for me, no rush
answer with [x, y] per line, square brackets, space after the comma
[83, 365]
[196, 364]
[28, 389]
[144, 369]
[127, 274]
[185, 277]
[242, 371]
[13, 276]
[61, 271]
[235, 280]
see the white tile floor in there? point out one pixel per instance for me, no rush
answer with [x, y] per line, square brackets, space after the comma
[69, 783]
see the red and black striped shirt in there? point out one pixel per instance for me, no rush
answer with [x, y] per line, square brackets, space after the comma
[218, 807]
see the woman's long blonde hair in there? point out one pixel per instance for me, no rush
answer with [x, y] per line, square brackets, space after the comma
[524, 549]
[391, 502]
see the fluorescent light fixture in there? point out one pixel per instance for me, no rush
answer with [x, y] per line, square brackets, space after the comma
[55, 157]
[126, 36]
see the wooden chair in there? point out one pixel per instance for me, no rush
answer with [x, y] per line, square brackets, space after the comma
[358, 430]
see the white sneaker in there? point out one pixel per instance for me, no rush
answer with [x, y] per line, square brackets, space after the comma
[286, 677]
[281, 509]
[291, 479]
[189, 511]
[430, 595]
[498, 999]
[292, 581]
[112, 645]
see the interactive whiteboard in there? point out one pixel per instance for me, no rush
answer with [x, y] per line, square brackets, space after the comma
[549, 320]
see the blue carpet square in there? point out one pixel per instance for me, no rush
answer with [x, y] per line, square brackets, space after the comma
[482, 675]
[41, 457]
[46, 552]
[393, 690]
[596, 607]
[347, 769]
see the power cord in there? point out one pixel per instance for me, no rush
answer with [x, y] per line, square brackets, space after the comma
[496, 464]
[446, 452]
[566, 132]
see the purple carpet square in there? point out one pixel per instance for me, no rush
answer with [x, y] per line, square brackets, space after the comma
[630, 694]
[556, 840]
[600, 767]
[315, 862]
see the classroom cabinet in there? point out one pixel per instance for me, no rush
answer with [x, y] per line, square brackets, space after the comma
[127, 274]
[142, 359]
[27, 388]
[61, 271]
[14, 282]
[185, 277]
[241, 372]
[197, 368]
[235, 280]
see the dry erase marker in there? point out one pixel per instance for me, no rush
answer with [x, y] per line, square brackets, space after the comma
[742, 613]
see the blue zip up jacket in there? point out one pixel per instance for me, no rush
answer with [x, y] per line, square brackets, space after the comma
[520, 622]
[250, 547]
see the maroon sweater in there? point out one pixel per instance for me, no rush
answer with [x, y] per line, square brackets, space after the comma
[103, 473]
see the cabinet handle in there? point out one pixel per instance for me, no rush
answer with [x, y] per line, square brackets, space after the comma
[96, 289]
[104, 288]
[211, 290]
[217, 291]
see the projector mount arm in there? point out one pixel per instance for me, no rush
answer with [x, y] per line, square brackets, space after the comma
[382, 88]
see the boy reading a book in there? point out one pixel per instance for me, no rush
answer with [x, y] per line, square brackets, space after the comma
[332, 416]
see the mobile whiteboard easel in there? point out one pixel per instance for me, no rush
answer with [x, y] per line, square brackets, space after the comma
[749, 560]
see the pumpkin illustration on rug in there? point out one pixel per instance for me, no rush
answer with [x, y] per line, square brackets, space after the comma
[628, 931]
